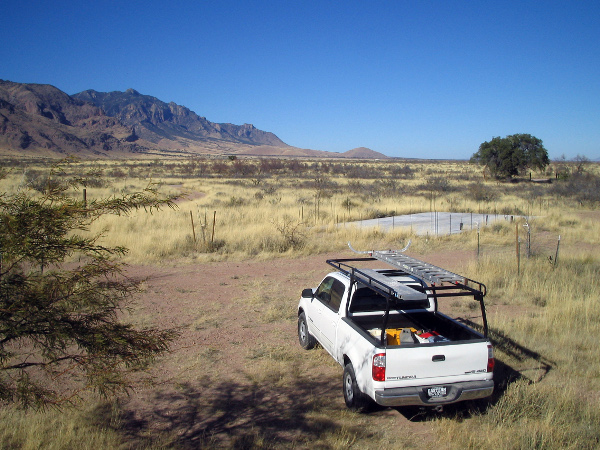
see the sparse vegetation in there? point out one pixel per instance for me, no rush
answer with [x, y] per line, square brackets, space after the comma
[543, 320]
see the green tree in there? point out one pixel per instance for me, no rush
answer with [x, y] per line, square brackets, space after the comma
[510, 156]
[62, 298]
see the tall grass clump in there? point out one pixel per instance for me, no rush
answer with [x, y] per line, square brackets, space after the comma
[58, 429]
[527, 416]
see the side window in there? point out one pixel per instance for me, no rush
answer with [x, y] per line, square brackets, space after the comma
[324, 290]
[330, 292]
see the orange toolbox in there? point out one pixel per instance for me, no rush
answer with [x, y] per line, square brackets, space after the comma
[395, 336]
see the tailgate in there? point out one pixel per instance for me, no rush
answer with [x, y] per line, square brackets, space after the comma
[432, 364]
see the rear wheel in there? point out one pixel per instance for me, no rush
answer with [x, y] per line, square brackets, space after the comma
[355, 399]
[307, 340]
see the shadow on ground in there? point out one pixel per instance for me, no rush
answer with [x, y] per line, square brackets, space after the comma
[232, 415]
[297, 412]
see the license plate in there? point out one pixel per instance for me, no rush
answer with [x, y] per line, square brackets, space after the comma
[434, 392]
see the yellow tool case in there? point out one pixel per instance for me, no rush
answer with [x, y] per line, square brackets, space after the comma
[396, 336]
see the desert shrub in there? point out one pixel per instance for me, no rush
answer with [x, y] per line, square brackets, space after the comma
[235, 202]
[36, 180]
[362, 171]
[269, 190]
[388, 187]
[371, 193]
[500, 227]
[292, 234]
[193, 167]
[374, 213]
[439, 184]
[338, 169]
[348, 204]
[270, 166]
[211, 246]
[116, 172]
[481, 193]
[322, 168]
[242, 168]
[296, 167]
[323, 187]
[405, 172]
[583, 187]
[219, 167]
[354, 186]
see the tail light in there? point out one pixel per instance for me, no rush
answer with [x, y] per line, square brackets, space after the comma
[491, 362]
[379, 367]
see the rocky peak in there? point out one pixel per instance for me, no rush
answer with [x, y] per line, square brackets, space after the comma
[155, 120]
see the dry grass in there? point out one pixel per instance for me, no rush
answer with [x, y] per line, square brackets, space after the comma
[544, 316]
[59, 430]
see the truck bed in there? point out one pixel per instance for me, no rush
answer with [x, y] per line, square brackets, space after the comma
[422, 321]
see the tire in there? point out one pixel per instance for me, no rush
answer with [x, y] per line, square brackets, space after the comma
[307, 340]
[355, 399]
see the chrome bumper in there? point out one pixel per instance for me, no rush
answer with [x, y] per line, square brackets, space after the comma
[417, 395]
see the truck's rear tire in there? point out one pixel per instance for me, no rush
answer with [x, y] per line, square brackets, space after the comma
[355, 399]
[307, 340]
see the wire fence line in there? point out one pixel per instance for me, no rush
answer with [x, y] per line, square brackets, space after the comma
[434, 223]
[527, 244]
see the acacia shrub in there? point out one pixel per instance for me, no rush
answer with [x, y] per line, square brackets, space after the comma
[61, 329]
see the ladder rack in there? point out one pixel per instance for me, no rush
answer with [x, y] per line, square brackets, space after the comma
[440, 282]
[427, 272]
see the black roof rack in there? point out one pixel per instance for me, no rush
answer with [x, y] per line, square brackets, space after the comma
[440, 282]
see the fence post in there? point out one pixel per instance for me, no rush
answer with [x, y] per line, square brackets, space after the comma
[193, 229]
[477, 239]
[528, 239]
[518, 246]
[212, 239]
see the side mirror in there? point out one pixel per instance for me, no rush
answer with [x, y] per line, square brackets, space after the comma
[307, 293]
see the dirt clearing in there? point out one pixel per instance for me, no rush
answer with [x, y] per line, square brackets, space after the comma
[237, 376]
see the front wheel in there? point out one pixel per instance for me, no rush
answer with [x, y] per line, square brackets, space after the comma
[307, 340]
[355, 399]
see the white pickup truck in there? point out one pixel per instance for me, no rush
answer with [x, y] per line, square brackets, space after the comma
[384, 328]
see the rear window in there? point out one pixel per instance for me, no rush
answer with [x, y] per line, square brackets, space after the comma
[366, 299]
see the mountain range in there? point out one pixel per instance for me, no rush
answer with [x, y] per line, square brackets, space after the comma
[41, 120]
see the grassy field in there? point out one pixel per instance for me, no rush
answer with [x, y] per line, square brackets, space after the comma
[266, 208]
[544, 311]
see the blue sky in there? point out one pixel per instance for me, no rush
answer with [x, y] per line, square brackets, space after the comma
[426, 79]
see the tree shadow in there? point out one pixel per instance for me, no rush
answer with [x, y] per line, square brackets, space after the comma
[298, 411]
[529, 366]
[233, 415]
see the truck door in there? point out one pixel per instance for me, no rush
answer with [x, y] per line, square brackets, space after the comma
[329, 298]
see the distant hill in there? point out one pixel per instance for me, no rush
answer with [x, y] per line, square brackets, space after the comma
[41, 120]
[364, 153]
